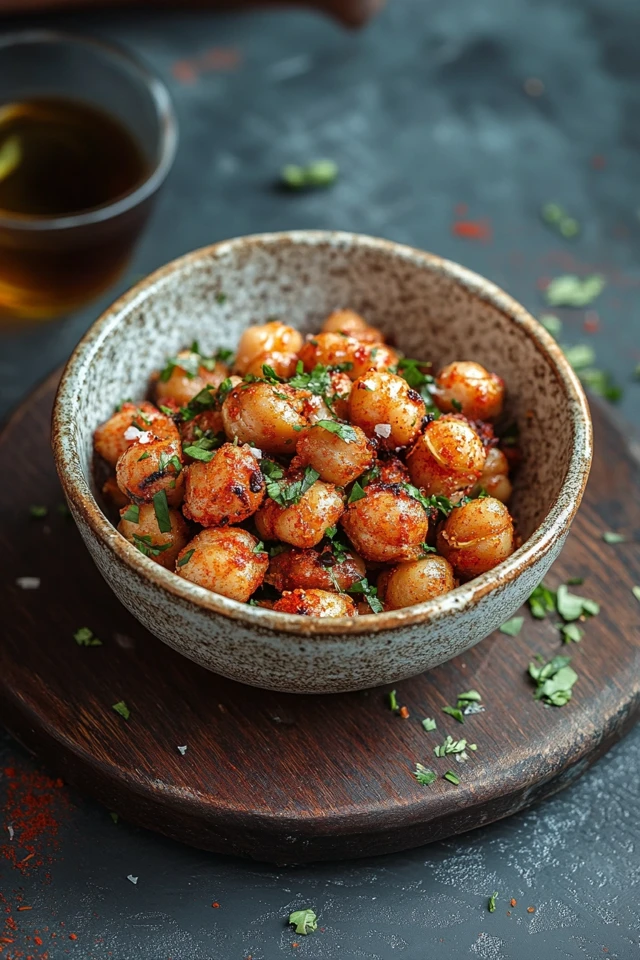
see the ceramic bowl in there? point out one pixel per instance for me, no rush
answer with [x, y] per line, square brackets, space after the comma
[432, 309]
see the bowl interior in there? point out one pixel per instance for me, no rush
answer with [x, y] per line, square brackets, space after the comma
[430, 309]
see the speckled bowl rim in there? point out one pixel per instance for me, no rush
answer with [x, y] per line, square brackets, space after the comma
[554, 525]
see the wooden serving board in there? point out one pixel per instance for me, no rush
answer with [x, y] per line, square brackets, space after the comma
[291, 778]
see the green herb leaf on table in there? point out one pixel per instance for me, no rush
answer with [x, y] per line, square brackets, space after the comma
[580, 356]
[571, 607]
[491, 906]
[609, 537]
[554, 680]
[84, 637]
[429, 724]
[636, 592]
[37, 511]
[319, 173]
[570, 290]
[512, 627]
[571, 632]
[121, 708]
[542, 601]
[454, 712]
[552, 324]
[424, 775]
[453, 746]
[555, 216]
[304, 921]
[452, 777]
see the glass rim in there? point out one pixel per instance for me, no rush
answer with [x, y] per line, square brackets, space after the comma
[164, 111]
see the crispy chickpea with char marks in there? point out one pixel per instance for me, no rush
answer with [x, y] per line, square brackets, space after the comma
[353, 325]
[386, 525]
[447, 457]
[476, 537]
[302, 524]
[316, 603]
[146, 534]
[314, 569]
[417, 581]
[339, 457]
[225, 561]
[265, 338]
[180, 384]
[267, 416]
[385, 407]
[112, 437]
[466, 387]
[226, 490]
[146, 468]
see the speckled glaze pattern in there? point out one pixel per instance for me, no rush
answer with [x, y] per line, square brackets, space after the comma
[430, 308]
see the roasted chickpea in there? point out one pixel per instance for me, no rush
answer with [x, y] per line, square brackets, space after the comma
[146, 535]
[467, 387]
[113, 494]
[494, 478]
[183, 384]
[476, 537]
[206, 424]
[265, 415]
[371, 356]
[338, 457]
[351, 323]
[316, 603]
[304, 523]
[112, 437]
[386, 525]
[314, 569]
[146, 468]
[283, 364]
[328, 349]
[392, 471]
[266, 338]
[447, 457]
[385, 407]
[225, 561]
[417, 581]
[226, 490]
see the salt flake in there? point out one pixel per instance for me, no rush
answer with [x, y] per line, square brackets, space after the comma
[257, 453]
[11, 831]
[382, 430]
[132, 878]
[142, 436]
[182, 750]
[28, 583]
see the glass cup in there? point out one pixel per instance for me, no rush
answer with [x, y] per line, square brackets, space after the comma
[50, 265]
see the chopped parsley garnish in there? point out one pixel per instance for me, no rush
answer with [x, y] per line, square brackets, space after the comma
[37, 512]
[552, 324]
[319, 173]
[393, 701]
[146, 545]
[554, 680]
[557, 217]
[467, 703]
[636, 592]
[317, 382]
[512, 627]
[452, 777]
[225, 389]
[491, 906]
[572, 291]
[469, 696]
[161, 510]
[84, 637]
[165, 460]
[370, 594]
[424, 774]
[185, 559]
[221, 298]
[429, 724]
[342, 430]
[414, 372]
[205, 400]
[434, 502]
[114, 816]
[118, 407]
[145, 456]
[121, 708]
[339, 548]
[199, 452]
[304, 921]
[286, 494]
[457, 406]
[259, 547]
[453, 746]
[277, 549]
[542, 601]
[373, 473]
[609, 537]
[189, 363]
[357, 493]
[132, 513]
[571, 607]
[571, 632]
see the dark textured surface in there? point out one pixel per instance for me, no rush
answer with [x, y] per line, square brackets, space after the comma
[423, 111]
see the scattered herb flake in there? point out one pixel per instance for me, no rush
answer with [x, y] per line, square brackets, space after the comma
[185, 559]
[10, 156]
[342, 430]
[114, 816]
[424, 774]
[452, 777]
[84, 638]
[454, 712]
[304, 921]
[319, 173]
[145, 456]
[571, 632]
[259, 547]
[609, 537]
[636, 592]
[161, 510]
[571, 607]
[491, 906]
[357, 493]
[199, 453]
[512, 627]
[370, 594]
[542, 601]
[572, 291]
[469, 696]
[429, 724]
[121, 708]
[452, 746]
[132, 513]
[146, 545]
[37, 511]
[221, 297]
[552, 324]
[554, 680]
[393, 701]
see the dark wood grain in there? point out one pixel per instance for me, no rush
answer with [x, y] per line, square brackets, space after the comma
[287, 778]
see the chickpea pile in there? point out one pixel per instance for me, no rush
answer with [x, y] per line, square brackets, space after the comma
[326, 476]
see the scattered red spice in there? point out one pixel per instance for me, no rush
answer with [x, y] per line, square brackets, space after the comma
[531, 909]
[34, 806]
[25, 908]
[73, 936]
[598, 162]
[472, 229]
[513, 902]
[295, 944]
[216, 904]
[38, 941]
[404, 713]
[216, 58]
[591, 321]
